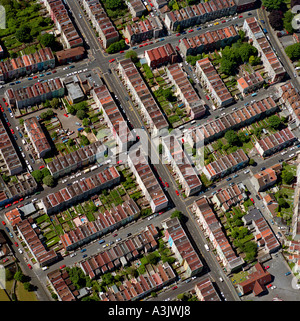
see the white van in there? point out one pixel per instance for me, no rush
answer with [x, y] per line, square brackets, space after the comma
[206, 247]
[30, 168]
[45, 268]
[23, 141]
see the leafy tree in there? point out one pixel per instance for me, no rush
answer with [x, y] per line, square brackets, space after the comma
[81, 114]
[47, 40]
[293, 51]
[274, 121]
[232, 138]
[287, 21]
[49, 181]
[273, 4]
[246, 51]
[23, 34]
[45, 171]
[19, 276]
[287, 177]
[54, 103]
[228, 67]
[37, 175]
[177, 214]
[113, 4]
[275, 19]
[254, 60]
[132, 55]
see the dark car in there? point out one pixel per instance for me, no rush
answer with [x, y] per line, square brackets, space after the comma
[257, 197]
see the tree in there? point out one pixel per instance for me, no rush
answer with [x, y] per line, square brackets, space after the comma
[293, 51]
[113, 4]
[287, 177]
[45, 171]
[19, 276]
[232, 138]
[47, 40]
[228, 67]
[243, 137]
[177, 214]
[273, 4]
[254, 60]
[49, 181]
[246, 51]
[81, 114]
[54, 103]
[275, 19]
[86, 122]
[132, 55]
[37, 175]
[287, 21]
[274, 121]
[23, 34]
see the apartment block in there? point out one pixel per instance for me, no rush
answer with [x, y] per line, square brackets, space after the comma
[41, 254]
[108, 34]
[181, 165]
[194, 105]
[291, 98]
[136, 8]
[106, 222]
[113, 117]
[37, 136]
[211, 80]
[199, 13]
[9, 158]
[142, 97]
[230, 196]
[250, 83]
[226, 165]
[236, 119]
[182, 247]
[122, 253]
[213, 230]
[154, 279]
[162, 55]
[141, 30]
[273, 143]
[147, 180]
[76, 192]
[263, 234]
[206, 291]
[75, 160]
[42, 59]
[35, 94]
[208, 41]
[61, 19]
[271, 63]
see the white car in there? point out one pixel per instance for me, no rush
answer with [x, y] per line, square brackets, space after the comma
[20, 251]
[292, 155]
[247, 171]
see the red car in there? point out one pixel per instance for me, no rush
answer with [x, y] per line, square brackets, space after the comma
[151, 4]
[220, 189]
[16, 244]
[145, 44]
[3, 99]
[54, 71]
[177, 34]
[12, 131]
[4, 260]
[34, 77]
[167, 184]
[122, 51]
[267, 267]
[191, 30]
[8, 124]
[29, 265]
[2, 109]
[41, 167]
[66, 115]
[112, 60]
[207, 97]
[160, 213]
[3, 223]
[8, 205]
[116, 234]
[223, 21]
[269, 285]
[6, 104]
[21, 199]
[141, 46]
[252, 200]
[177, 48]
[62, 266]
[175, 287]
[240, 16]
[15, 202]
[151, 42]
[177, 193]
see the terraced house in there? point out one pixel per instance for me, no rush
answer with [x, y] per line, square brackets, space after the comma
[212, 81]
[106, 222]
[213, 230]
[142, 96]
[101, 22]
[35, 94]
[27, 64]
[199, 13]
[194, 105]
[181, 165]
[208, 41]
[76, 192]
